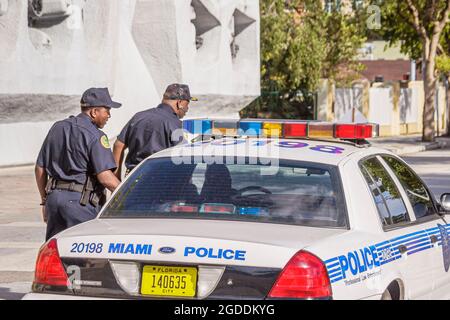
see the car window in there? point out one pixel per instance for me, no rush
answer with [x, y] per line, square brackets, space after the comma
[417, 192]
[294, 194]
[390, 205]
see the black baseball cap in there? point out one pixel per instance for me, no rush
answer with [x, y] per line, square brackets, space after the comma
[178, 91]
[98, 97]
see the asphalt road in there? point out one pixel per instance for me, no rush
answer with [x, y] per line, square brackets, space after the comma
[434, 168]
[22, 231]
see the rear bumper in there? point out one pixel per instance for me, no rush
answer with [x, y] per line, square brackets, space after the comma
[45, 296]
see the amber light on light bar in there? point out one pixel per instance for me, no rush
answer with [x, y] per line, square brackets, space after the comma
[273, 129]
[321, 130]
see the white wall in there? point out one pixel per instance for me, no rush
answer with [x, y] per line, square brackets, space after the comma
[346, 99]
[135, 48]
[409, 105]
[381, 105]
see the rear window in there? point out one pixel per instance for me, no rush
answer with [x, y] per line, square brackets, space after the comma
[296, 194]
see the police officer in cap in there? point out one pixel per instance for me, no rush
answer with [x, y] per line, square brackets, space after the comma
[75, 164]
[150, 131]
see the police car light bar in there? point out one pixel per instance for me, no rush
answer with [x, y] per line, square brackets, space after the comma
[281, 129]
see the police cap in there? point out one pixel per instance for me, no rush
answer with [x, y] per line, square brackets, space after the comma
[98, 97]
[178, 91]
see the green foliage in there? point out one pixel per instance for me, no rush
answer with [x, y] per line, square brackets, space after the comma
[397, 27]
[291, 52]
[443, 65]
[418, 25]
[344, 35]
[300, 44]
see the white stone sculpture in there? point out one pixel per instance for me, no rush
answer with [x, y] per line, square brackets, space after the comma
[52, 50]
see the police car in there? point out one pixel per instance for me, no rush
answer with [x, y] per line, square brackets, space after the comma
[259, 209]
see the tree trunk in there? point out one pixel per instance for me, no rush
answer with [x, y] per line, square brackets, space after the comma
[430, 80]
[447, 88]
[429, 109]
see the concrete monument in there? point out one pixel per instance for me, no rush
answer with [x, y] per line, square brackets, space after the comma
[52, 50]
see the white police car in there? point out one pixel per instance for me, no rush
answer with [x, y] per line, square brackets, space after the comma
[273, 211]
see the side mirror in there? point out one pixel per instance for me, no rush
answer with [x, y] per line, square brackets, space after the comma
[445, 202]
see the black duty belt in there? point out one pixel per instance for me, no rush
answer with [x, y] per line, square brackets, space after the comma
[69, 186]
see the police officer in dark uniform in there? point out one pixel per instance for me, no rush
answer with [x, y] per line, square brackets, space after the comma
[150, 131]
[75, 164]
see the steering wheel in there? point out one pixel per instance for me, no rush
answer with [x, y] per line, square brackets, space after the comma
[258, 188]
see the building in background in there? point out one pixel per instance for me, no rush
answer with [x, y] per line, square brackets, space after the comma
[381, 62]
[384, 63]
[52, 50]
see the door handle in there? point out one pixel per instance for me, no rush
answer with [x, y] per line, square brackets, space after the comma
[403, 249]
[434, 239]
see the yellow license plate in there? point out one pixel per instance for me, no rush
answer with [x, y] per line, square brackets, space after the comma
[169, 281]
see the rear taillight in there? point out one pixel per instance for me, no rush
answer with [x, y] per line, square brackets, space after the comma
[304, 277]
[49, 267]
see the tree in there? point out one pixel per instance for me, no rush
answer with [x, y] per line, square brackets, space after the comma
[422, 27]
[345, 34]
[301, 43]
[292, 49]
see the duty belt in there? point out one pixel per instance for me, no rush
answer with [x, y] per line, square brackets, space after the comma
[89, 191]
[69, 186]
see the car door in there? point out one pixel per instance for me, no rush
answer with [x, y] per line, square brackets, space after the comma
[427, 218]
[406, 242]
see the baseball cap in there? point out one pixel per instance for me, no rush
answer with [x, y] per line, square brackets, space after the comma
[98, 97]
[178, 91]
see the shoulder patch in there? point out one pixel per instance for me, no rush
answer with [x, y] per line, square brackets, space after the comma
[105, 142]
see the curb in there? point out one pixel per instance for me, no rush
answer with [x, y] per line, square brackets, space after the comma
[416, 149]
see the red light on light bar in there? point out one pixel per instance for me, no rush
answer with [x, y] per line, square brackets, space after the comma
[295, 130]
[353, 131]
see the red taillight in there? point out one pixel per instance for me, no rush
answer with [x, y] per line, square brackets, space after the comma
[49, 267]
[304, 277]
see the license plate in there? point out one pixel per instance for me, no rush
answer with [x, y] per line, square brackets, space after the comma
[169, 281]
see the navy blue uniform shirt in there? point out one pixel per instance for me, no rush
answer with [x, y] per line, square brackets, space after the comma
[75, 148]
[148, 132]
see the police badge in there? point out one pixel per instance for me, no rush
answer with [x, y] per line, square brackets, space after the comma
[445, 246]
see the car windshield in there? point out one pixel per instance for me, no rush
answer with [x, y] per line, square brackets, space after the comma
[294, 193]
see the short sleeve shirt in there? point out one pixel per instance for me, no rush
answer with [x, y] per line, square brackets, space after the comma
[75, 148]
[150, 131]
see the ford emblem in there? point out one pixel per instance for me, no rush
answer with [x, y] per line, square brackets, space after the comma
[167, 250]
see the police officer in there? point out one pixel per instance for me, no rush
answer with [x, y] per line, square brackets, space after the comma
[75, 164]
[151, 130]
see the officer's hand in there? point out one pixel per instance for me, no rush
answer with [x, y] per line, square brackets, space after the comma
[44, 214]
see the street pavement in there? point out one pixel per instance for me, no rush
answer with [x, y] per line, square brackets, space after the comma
[22, 231]
[434, 168]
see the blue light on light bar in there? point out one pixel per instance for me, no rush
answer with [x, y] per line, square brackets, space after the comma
[198, 126]
[251, 128]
